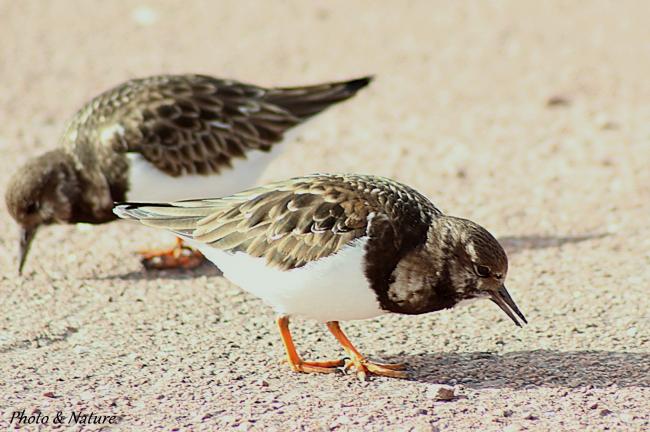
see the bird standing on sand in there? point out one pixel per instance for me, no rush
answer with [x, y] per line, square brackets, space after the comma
[166, 138]
[340, 247]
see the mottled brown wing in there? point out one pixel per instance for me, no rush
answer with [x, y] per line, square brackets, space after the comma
[194, 124]
[294, 222]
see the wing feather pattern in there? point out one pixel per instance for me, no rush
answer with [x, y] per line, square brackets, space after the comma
[293, 222]
[196, 124]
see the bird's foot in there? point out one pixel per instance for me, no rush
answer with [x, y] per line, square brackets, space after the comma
[326, 363]
[365, 367]
[326, 366]
[177, 257]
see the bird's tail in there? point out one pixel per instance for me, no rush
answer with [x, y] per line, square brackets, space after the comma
[304, 102]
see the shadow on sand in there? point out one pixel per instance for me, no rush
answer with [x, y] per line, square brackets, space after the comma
[514, 244]
[205, 269]
[527, 369]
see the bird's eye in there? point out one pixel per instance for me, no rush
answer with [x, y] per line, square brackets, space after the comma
[32, 208]
[481, 270]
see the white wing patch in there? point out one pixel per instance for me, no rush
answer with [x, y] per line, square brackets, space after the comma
[148, 184]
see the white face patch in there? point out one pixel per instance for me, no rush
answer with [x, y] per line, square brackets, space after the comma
[460, 277]
[471, 251]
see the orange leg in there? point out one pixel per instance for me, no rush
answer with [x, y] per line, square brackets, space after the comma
[296, 363]
[179, 256]
[364, 366]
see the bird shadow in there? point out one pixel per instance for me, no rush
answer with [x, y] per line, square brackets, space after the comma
[528, 369]
[514, 244]
[205, 269]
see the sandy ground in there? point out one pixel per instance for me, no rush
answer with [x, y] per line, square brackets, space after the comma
[530, 119]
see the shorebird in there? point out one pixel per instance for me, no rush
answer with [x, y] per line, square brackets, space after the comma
[339, 247]
[165, 137]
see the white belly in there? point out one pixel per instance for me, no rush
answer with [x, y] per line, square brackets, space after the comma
[148, 184]
[330, 289]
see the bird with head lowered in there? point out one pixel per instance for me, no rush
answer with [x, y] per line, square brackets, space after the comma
[340, 247]
[167, 137]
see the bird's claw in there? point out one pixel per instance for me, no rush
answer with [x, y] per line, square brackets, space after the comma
[365, 367]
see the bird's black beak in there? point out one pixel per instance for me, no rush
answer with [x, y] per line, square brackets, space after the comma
[26, 237]
[502, 298]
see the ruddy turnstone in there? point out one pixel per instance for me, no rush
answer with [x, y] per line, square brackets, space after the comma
[339, 247]
[166, 138]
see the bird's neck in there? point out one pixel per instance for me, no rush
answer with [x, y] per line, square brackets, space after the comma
[421, 281]
[78, 192]
[93, 205]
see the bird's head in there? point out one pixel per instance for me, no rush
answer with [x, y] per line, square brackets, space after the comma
[40, 193]
[478, 265]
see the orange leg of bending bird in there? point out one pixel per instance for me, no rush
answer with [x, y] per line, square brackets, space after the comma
[296, 363]
[364, 366]
[179, 256]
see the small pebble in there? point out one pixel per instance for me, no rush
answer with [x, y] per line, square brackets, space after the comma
[605, 123]
[444, 393]
[558, 101]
